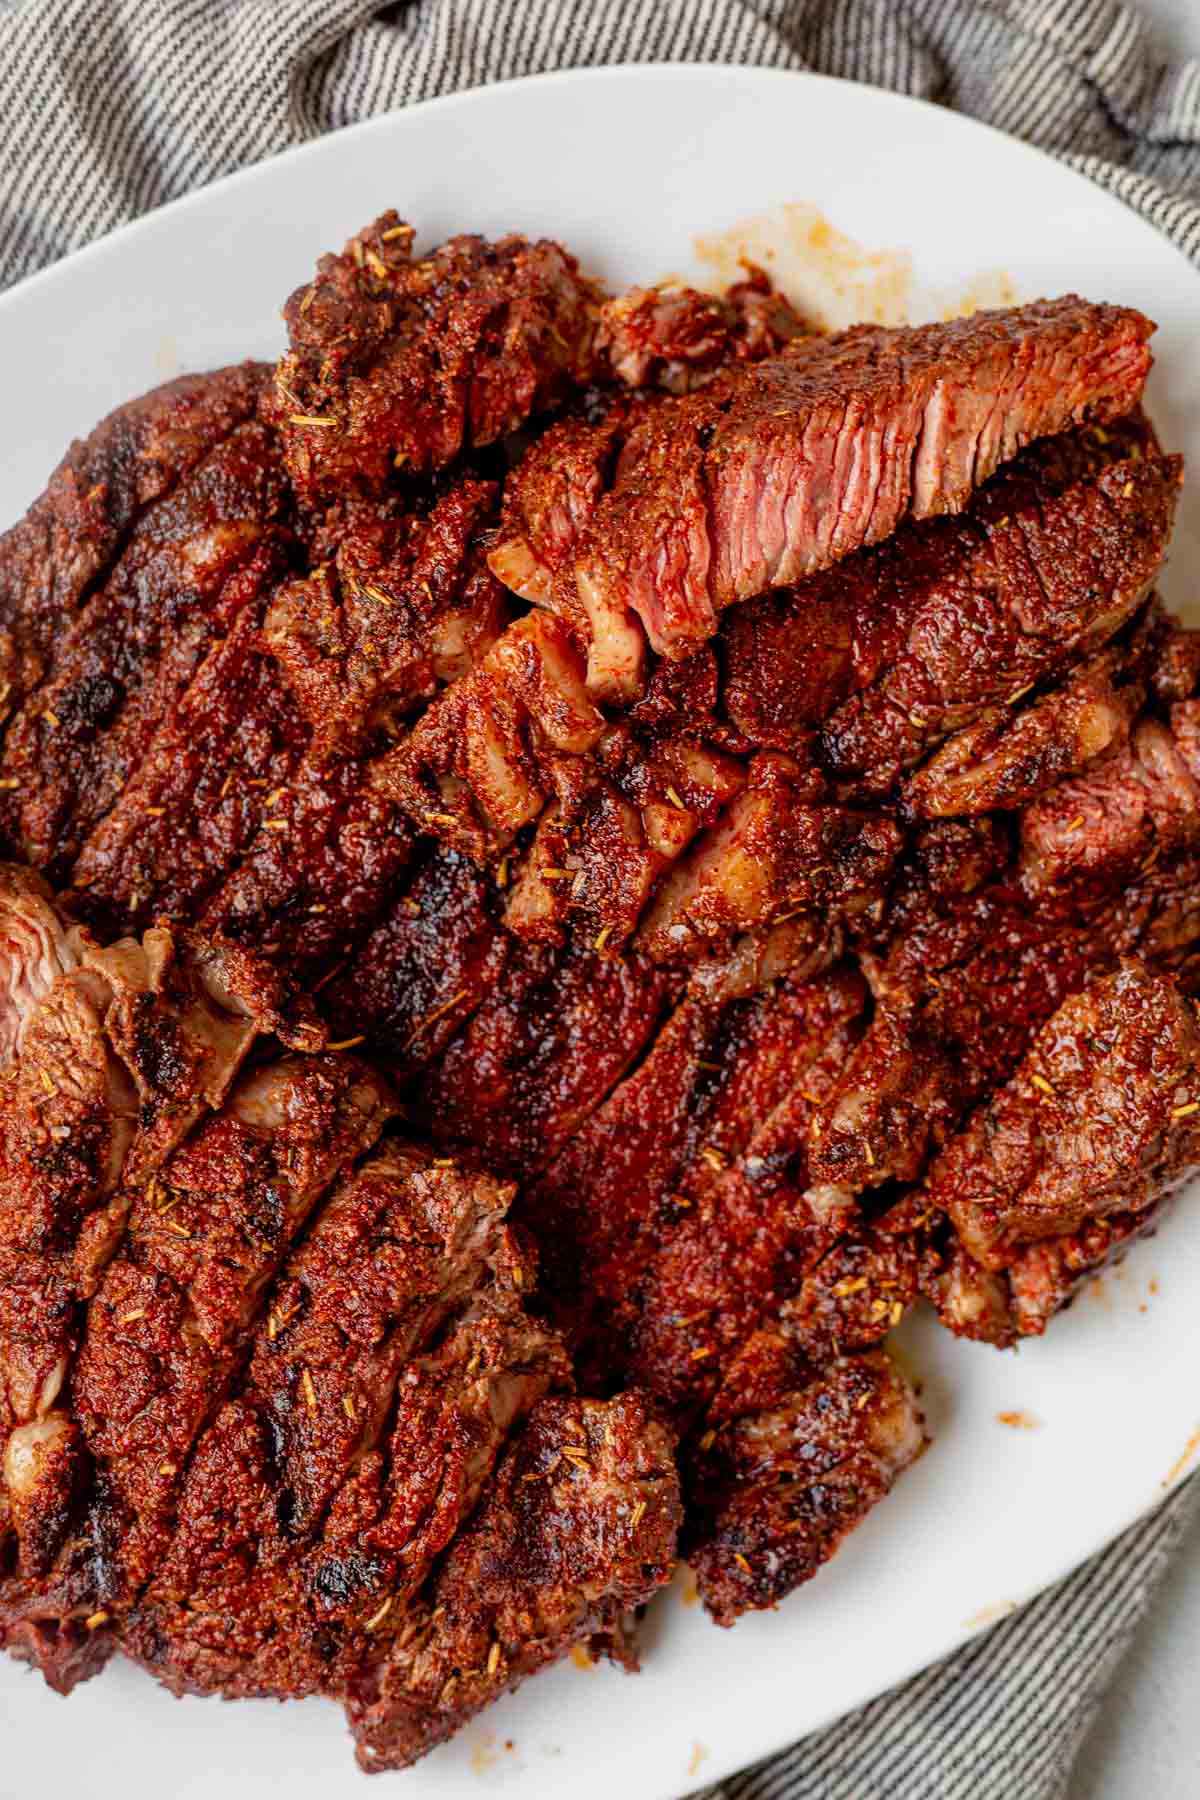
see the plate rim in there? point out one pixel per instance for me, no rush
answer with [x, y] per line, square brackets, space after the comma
[749, 73]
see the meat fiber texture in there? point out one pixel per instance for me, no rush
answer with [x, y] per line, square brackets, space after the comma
[728, 798]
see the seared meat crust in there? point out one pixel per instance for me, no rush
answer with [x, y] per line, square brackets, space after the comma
[576, 1532]
[773, 1490]
[51, 560]
[195, 560]
[800, 957]
[401, 362]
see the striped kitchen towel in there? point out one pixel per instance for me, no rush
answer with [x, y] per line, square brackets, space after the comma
[109, 107]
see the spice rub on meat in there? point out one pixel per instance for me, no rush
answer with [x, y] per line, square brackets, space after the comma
[1095, 1129]
[401, 362]
[661, 828]
[734, 782]
[390, 1362]
[794, 462]
[789, 1460]
[576, 1532]
[267, 1364]
[113, 1056]
[53, 558]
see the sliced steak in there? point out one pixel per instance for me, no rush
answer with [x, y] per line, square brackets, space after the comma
[1053, 583]
[1102, 828]
[778, 1478]
[253, 802]
[425, 968]
[779, 849]
[620, 820]
[787, 466]
[1009, 756]
[177, 1305]
[120, 1052]
[643, 1167]
[753, 1235]
[480, 763]
[553, 492]
[895, 647]
[1054, 557]
[975, 956]
[318, 871]
[552, 1037]
[281, 1409]
[658, 341]
[73, 533]
[211, 775]
[1101, 1117]
[577, 1530]
[195, 560]
[360, 1440]
[404, 604]
[401, 362]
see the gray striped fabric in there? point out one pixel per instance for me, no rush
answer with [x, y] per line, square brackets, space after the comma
[108, 107]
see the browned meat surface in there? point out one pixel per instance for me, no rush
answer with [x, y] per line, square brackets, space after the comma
[656, 342]
[177, 1305]
[1009, 756]
[781, 1474]
[73, 533]
[195, 560]
[405, 603]
[753, 1234]
[676, 337]
[674, 1223]
[858, 1290]
[480, 762]
[425, 968]
[778, 850]
[318, 871]
[650, 826]
[642, 1172]
[248, 808]
[554, 1034]
[895, 647]
[973, 964]
[616, 806]
[1047, 587]
[455, 1405]
[800, 957]
[553, 492]
[946, 628]
[255, 1472]
[1099, 1118]
[1002, 1306]
[392, 1358]
[1044, 1277]
[618, 823]
[577, 1531]
[1123, 816]
[401, 362]
[795, 462]
[115, 1054]
[192, 807]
